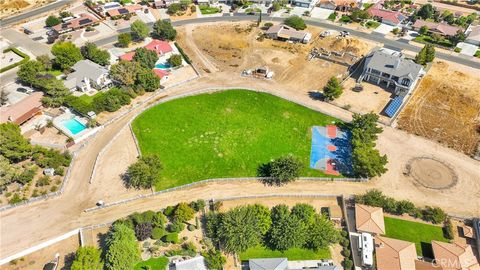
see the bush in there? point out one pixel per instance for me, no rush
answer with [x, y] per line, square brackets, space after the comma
[332, 17]
[348, 264]
[52, 21]
[187, 59]
[171, 238]
[157, 233]
[111, 101]
[448, 229]
[168, 211]
[175, 60]
[43, 181]
[15, 199]
[345, 19]
[345, 242]
[295, 22]
[346, 252]
[191, 227]
[143, 231]
[176, 226]
[434, 214]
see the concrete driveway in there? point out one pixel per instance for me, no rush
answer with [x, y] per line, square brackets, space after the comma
[467, 49]
[383, 29]
[321, 13]
[22, 40]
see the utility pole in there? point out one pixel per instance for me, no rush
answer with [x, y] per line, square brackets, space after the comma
[259, 19]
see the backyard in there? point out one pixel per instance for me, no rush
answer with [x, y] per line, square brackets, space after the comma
[419, 233]
[292, 254]
[153, 263]
[225, 134]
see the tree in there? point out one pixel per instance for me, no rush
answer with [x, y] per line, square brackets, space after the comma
[281, 171]
[237, 230]
[92, 52]
[66, 54]
[146, 58]
[28, 71]
[65, 14]
[405, 207]
[45, 61]
[434, 214]
[87, 258]
[124, 39]
[214, 259]
[13, 145]
[423, 30]
[148, 80]
[333, 89]
[183, 212]
[359, 15]
[364, 127]
[164, 30]
[55, 90]
[295, 22]
[321, 233]
[175, 60]
[145, 172]
[304, 212]
[174, 8]
[139, 30]
[52, 21]
[426, 11]
[7, 172]
[143, 231]
[458, 37]
[287, 230]
[122, 248]
[125, 72]
[429, 53]
[421, 57]
[367, 161]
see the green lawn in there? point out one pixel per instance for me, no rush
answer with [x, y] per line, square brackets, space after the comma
[54, 72]
[209, 10]
[89, 99]
[159, 263]
[225, 134]
[427, 39]
[372, 24]
[292, 254]
[419, 233]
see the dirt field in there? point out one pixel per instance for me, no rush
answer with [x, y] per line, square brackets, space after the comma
[234, 47]
[446, 107]
[10, 7]
[37, 260]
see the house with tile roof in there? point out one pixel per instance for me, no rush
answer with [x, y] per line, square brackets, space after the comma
[454, 256]
[390, 17]
[341, 5]
[442, 28]
[82, 21]
[23, 110]
[394, 254]
[369, 219]
[158, 46]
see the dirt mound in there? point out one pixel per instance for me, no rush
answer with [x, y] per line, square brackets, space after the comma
[431, 173]
[15, 4]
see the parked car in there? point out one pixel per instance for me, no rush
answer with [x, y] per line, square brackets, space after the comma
[24, 90]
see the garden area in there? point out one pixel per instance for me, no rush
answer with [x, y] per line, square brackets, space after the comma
[225, 134]
[440, 41]
[206, 10]
[419, 233]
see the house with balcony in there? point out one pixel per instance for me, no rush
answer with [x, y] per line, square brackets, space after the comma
[390, 69]
[88, 75]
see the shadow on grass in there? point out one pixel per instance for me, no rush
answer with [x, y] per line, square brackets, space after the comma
[427, 250]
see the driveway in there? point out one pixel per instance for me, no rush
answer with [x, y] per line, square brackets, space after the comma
[22, 40]
[467, 49]
[383, 29]
[321, 13]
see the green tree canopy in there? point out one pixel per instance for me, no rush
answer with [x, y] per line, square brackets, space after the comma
[426, 12]
[423, 30]
[287, 230]
[175, 60]
[139, 30]
[295, 22]
[183, 212]
[164, 30]
[364, 127]
[148, 80]
[281, 171]
[46, 61]
[87, 258]
[214, 259]
[321, 233]
[66, 54]
[262, 215]
[332, 89]
[52, 21]
[124, 39]
[145, 57]
[125, 72]
[123, 252]
[145, 172]
[92, 52]
[13, 145]
[28, 71]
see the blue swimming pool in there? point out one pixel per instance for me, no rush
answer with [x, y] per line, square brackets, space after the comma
[163, 66]
[74, 126]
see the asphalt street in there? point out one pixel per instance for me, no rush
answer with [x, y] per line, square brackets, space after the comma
[34, 12]
[402, 45]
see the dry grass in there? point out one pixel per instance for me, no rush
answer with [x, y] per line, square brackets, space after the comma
[10, 7]
[445, 108]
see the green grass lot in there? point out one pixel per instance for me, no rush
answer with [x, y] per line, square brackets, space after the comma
[419, 233]
[209, 10]
[372, 24]
[54, 72]
[225, 134]
[159, 263]
[89, 99]
[292, 254]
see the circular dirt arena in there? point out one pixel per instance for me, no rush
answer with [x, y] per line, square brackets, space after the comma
[431, 173]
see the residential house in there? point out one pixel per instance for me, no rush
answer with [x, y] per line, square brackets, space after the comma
[88, 75]
[287, 33]
[196, 263]
[123, 11]
[259, 2]
[391, 69]
[473, 35]
[340, 5]
[393, 254]
[82, 21]
[443, 29]
[285, 264]
[390, 17]
[159, 46]
[309, 4]
[369, 219]
[23, 110]
[165, 3]
[453, 256]
[108, 6]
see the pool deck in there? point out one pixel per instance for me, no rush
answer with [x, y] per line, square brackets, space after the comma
[78, 137]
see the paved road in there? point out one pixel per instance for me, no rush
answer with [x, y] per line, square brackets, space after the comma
[24, 41]
[464, 60]
[34, 12]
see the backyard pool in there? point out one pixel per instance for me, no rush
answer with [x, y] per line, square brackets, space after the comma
[163, 66]
[74, 126]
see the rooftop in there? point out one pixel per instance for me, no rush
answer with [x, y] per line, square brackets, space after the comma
[268, 264]
[443, 28]
[455, 256]
[393, 62]
[23, 110]
[284, 31]
[83, 20]
[369, 219]
[393, 254]
[196, 263]
[393, 16]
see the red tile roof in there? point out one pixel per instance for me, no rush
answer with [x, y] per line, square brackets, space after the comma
[442, 28]
[129, 9]
[25, 109]
[128, 56]
[393, 16]
[82, 21]
[160, 72]
[159, 46]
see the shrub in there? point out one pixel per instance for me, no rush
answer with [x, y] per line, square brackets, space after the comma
[171, 238]
[346, 252]
[345, 19]
[191, 227]
[15, 199]
[43, 181]
[157, 233]
[175, 60]
[185, 56]
[448, 229]
[295, 22]
[168, 211]
[176, 226]
[348, 264]
[52, 21]
[345, 242]
[143, 231]
[332, 17]
[434, 214]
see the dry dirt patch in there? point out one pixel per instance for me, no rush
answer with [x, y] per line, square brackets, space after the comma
[10, 7]
[446, 107]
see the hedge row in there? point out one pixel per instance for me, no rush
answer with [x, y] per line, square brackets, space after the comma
[185, 56]
[17, 51]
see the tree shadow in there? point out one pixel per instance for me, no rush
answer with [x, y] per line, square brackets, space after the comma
[315, 95]
[265, 172]
[68, 260]
[427, 250]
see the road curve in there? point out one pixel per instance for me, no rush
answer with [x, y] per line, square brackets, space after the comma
[403, 45]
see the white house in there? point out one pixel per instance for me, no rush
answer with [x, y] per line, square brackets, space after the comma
[473, 35]
[88, 75]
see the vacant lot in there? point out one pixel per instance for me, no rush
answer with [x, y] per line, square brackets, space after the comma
[446, 107]
[419, 233]
[225, 134]
[10, 7]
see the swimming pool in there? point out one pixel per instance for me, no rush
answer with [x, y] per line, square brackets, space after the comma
[74, 126]
[163, 66]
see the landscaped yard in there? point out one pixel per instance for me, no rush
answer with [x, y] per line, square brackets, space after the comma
[154, 263]
[419, 233]
[292, 254]
[428, 39]
[225, 134]
[209, 10]
[372, 24]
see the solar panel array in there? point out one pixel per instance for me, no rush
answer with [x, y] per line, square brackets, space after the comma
[84, 21]
[393, 107]
[123, 11]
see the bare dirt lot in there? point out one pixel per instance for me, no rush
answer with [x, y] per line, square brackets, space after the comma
[10, 7]
[446, 107]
